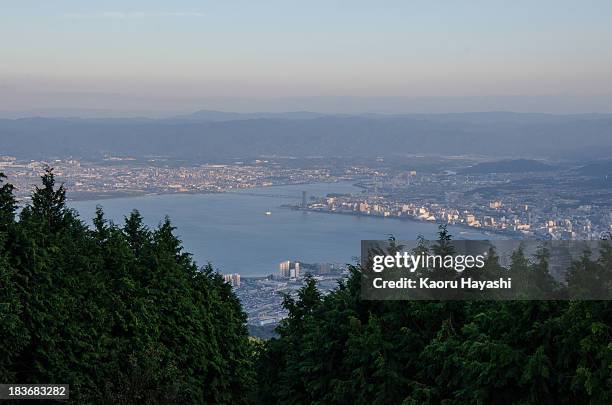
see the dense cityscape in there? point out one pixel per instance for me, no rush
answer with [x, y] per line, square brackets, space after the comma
[489, 202]
[534, 203]
[537, 202]
[262, 297]
[122, 177]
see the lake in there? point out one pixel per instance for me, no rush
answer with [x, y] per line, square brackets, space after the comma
[232, 231]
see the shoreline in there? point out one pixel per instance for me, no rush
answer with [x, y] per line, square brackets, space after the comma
[93, 196]
[407, 218]
[353, 182]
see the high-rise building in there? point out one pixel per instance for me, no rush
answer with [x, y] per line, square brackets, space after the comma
[233, 279]
[289, 269]
[284, 268]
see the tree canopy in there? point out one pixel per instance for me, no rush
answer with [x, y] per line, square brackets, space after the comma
[120, 313]
[339, 348]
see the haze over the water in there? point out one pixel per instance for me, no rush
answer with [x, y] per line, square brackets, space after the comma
[161, 58]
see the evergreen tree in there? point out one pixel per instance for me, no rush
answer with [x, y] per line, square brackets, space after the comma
[13, 334]
[8, 205]
[347, 350]
[49, 203]
[123, 315]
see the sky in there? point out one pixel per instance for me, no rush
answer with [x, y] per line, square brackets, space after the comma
[160, 58]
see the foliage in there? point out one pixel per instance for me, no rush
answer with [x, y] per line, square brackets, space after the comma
[339, 349]
[120, 313]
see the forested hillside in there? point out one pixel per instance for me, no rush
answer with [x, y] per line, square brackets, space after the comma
[341, 349]
[118, 312]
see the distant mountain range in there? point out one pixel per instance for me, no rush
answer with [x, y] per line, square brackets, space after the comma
[476, 117]
[220, 135]
[210, 115]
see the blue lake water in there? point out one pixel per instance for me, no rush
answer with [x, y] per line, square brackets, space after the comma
[233, 232]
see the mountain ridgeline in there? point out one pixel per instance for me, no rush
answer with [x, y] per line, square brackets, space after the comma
[216, 135]
[124, 316]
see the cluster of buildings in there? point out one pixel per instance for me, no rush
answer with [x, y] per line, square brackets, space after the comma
[293, 269]
[459, 200]
[262, 297]
[289, 269]
[232, 279]
[513, 220]
[115, 177]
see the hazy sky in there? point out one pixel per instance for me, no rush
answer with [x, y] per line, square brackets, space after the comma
[397, 56]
